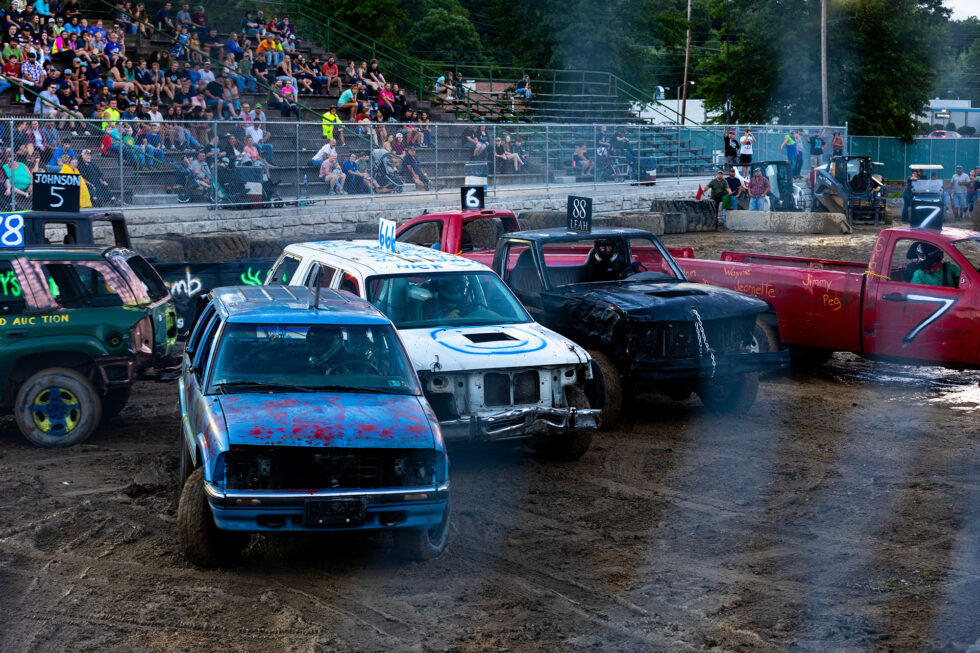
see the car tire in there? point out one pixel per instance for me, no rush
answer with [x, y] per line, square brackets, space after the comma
[183, 195]
[202, 542]
[731, 394]
[185, 465]
[57, 407]
[766, 336]
[114, 401]
[605, 391]
[567, 446]
[425, 544]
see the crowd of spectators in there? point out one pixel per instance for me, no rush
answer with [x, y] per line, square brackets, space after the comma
[78, 75]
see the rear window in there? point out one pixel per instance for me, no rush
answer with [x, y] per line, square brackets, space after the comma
[149, 277]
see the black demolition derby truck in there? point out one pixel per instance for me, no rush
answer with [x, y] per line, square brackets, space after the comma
[620, 294]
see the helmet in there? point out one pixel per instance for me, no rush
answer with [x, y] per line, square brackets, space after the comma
[324, 342]
[605, 250]
[453, 288]
[930, 255]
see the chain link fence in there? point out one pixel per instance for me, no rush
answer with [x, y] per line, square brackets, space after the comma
[241, 165]
[896, 156]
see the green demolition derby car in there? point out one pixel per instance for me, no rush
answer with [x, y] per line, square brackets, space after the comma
[78, 326]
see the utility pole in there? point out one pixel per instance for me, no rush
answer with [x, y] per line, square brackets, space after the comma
[687, 60]
[728, 69]
[823, 63]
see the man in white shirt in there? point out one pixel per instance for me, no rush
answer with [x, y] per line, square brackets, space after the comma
[154, 113]
[745, 152]
[324, 153]
[959, 186]
[260, 136]
[257, 114]
[206, 75]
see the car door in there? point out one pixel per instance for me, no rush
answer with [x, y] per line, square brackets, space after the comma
[193, 409]
[928, 323]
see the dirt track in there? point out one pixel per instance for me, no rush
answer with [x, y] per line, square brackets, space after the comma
[842, 513]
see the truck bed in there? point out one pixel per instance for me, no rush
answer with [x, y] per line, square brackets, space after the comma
[817, 301]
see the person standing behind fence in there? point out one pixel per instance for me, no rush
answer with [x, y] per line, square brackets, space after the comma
[758, 189]
[958, 188]
[837, 145]
[789, 145]
[331, 123]
[746, 145]
[816, 150]
[801, 142]
[731, 149]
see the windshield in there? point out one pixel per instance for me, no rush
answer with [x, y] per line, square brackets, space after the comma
[148, 278]
[445, 300]
[326, 357]
[927, 186]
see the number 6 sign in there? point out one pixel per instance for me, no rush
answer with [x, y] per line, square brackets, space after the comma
[472, 197]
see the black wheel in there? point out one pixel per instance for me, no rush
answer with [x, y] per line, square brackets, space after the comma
[114, 401]
[398, 188]
[186, 465]
[57, 407]
[808, 359]
[425, 544]
[183, 195]
[202, 541]
[277, 201]
[731, 394]
[605, 391]
[567, 446]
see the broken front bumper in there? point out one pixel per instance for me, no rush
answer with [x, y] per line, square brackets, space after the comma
[703, 367]
[520, 423]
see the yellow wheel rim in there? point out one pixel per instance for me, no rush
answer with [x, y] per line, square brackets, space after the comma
[56, 411]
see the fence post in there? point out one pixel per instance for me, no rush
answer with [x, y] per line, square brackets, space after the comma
[639, 156]
[296, 176]
[122, 189]
[595, 164]
[214, 168]
[547, 157]
[371, 167]
[678, 165]
[13, 195]
[435, 145]
[493, 153]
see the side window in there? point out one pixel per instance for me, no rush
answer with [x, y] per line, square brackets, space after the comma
[80, 285]
[480, 233]
[314, 276]
[11, 296]
[200, 323]
[426, 234]
[350, 284]
[520, 270]
[920, 262]
[284, 270]
[204, 350]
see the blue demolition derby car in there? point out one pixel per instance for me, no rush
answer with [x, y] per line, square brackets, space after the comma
[301, 411]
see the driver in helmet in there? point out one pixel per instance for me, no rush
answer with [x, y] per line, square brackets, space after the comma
[606, 261]
[326, 346]
[449, 299]
[932, 270]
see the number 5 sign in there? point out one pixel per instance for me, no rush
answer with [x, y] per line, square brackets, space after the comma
[54, 191]
[11, 230]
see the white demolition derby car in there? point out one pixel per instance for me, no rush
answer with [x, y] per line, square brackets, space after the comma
[488, 370]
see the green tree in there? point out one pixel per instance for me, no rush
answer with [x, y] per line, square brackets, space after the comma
[881, 60]
[442, 31]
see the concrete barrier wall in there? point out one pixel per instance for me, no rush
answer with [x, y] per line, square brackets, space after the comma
[788, 223]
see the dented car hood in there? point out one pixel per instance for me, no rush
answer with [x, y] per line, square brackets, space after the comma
[326, 420]
[648, 300]
[490, 347]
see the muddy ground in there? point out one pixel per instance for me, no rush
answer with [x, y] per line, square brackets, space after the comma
[842, 513]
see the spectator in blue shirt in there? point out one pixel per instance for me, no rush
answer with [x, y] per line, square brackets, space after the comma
[232, 47]
[43, 9]
[64, 147]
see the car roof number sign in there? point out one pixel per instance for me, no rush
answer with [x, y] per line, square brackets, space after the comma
[386, 235]
[579, 214]
[11, 230]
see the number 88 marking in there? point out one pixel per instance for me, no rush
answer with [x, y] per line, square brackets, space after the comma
[578, 209]
[13, 234]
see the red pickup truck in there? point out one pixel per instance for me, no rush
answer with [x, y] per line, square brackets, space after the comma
[881, 309]
[472, 233]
